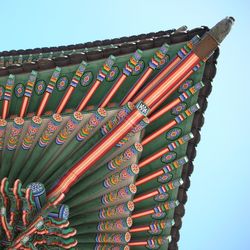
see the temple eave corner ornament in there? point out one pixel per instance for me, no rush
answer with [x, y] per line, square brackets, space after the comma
[115, 148]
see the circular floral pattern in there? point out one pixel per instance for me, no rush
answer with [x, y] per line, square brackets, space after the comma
[1, 92]
[138, 68]
[179, 108]
[40, 87]
[62, 83]
[168, 157]
[173, 134]
[165, 178]
[163, 61]
[86, 78]
[19, 90]
[187, 84]
[161, 197]
[113, 73]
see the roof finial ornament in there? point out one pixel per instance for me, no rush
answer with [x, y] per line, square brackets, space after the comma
[211, 39]
[222, 28]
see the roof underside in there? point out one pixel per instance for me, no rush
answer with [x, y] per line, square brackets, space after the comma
[85, 199]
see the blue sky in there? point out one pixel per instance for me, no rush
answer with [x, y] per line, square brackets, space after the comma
[217, 213]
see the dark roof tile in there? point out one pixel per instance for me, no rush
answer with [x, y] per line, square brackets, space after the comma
[46, 64]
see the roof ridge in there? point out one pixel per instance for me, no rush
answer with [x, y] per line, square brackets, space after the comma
[143, 42]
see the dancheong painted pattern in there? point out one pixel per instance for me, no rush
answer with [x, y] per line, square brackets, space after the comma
[97, 139]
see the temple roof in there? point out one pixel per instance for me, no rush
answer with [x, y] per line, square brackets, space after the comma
[144, 178]
[90, 51]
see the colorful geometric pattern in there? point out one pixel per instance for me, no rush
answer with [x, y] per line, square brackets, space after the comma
[180, 141]
[118, 195]
[159, 215]
[38, 193]
[166, 206]
[188, 112]
[53, 80]
[124, 156]
[19, 90]
[187, 48]
[111, 246]
[133, 61]
[15, 133]
[121, 238]
[160, 57]
[120, 116]
[156, 227]
[184, 86]
[113, 74]
[165, 178]
[138, 128]
[169, 157]
[31, 133]
[163, 62]
[87, 78]
[143, 108]
[138, 68]
[161, 197]
[69, 128]
[185, 95]
[30, 84]
[115, 225]
[40, 87]
[173, 134]
[62, 83]
[91, 163]
[119, 177]
[108, 64]
[94, 122]
[176, 164]
[179, 108]
[157, 242]
[78, 74]
[170, 185]
[52, 127]
[37, 223]
[9, 87]
[116, 211]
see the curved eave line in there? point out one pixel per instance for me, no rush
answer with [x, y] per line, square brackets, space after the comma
[198, 121]
[126, 45]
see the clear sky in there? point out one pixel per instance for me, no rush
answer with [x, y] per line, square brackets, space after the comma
[218, 209]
